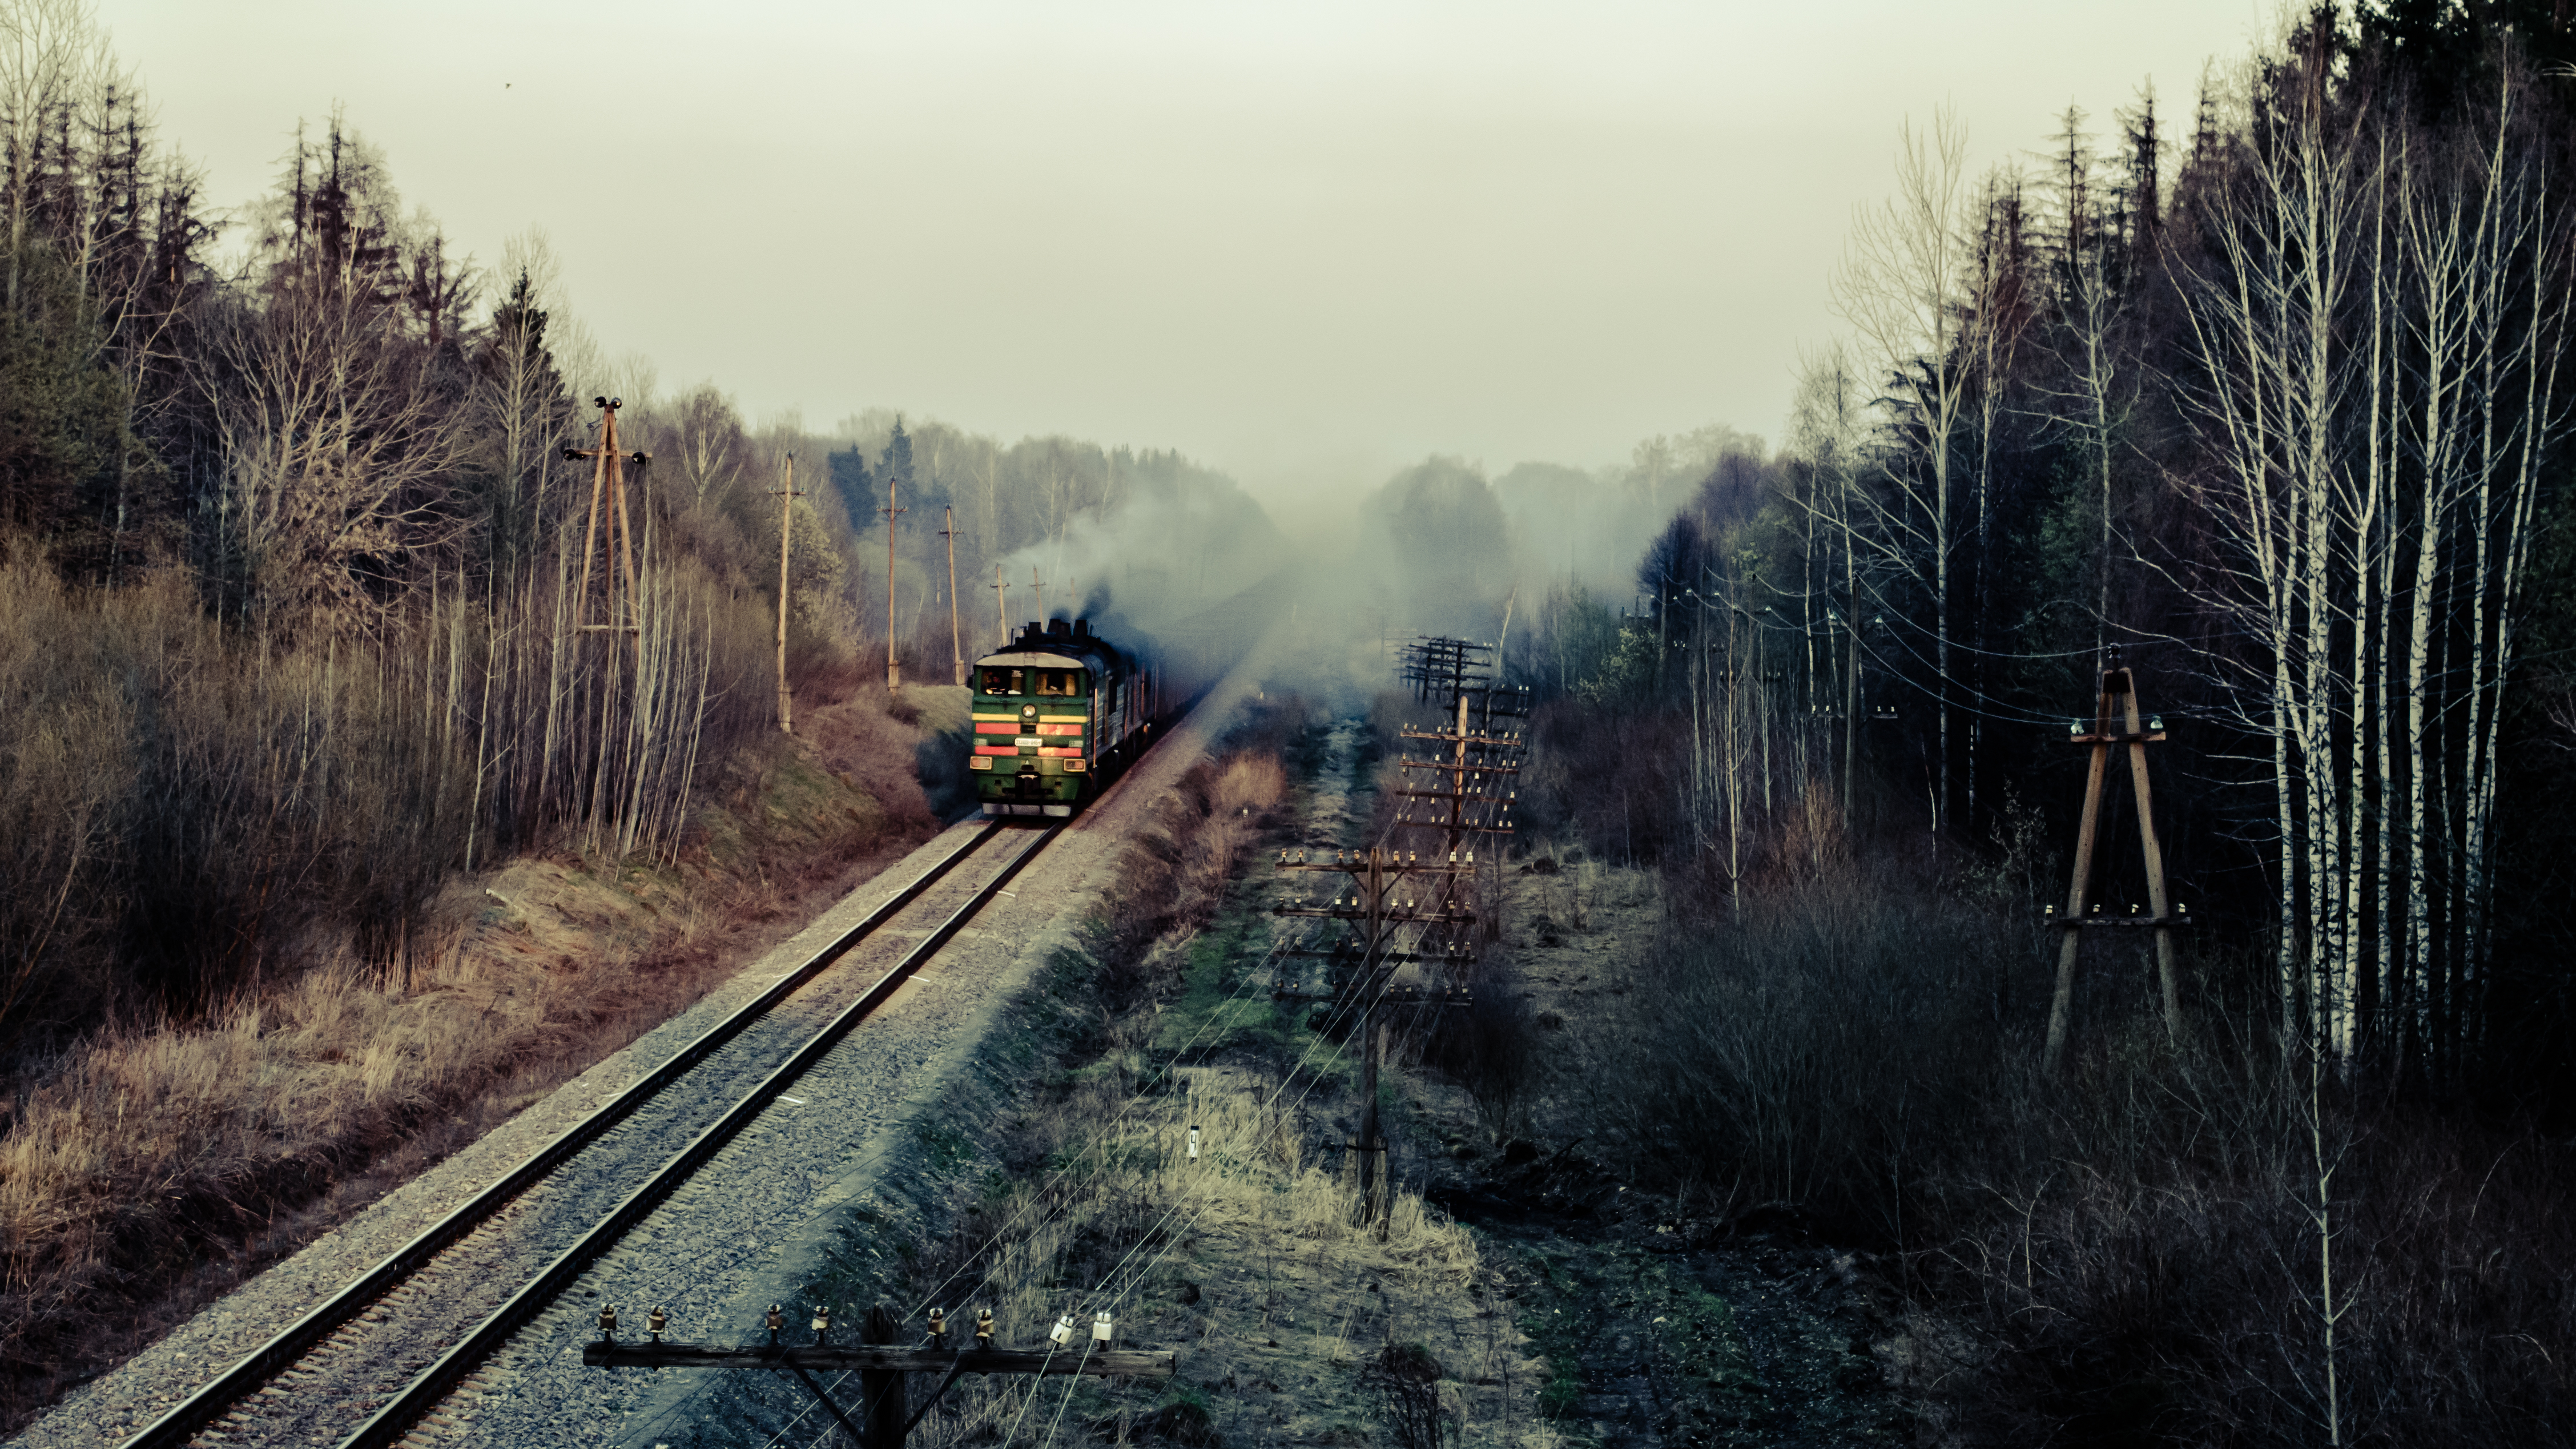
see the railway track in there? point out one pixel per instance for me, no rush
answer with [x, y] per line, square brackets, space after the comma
[373, 1361]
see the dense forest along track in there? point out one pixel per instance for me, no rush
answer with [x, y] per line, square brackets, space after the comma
[367, 1364]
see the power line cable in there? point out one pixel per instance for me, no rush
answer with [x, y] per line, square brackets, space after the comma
[1063, 1206]
[1279, 946]
[1072, 1382]
[1271, 1106]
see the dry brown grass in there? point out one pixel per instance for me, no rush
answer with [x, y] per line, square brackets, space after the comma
[153, 1148]
[184, 806]
[1174, 876]
[1253, 1260]
[1244, 790]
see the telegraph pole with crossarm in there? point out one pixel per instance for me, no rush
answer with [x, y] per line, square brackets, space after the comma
[787, 495]
[956, 640]
[894, 670]
[1384, 892]
[884, 1365]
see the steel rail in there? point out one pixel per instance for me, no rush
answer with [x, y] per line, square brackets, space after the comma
[424, 1392]
[201, 1409]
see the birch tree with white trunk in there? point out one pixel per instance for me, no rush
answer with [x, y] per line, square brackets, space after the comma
[1903, 286]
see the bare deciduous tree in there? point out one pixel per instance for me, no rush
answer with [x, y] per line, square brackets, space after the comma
[1903, 287]
[339, 443]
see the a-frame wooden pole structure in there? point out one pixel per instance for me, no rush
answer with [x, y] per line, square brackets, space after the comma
[621, 611]
[2115, 722]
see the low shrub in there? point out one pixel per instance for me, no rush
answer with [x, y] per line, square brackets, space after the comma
[2140, 1251]
[1824, 1050]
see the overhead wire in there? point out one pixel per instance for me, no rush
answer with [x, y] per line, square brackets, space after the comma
[1305, 1060]
[1072, 1382]
[1251, 978]
[1090, 1301]
[1891, 670]
[1063, 1205]
[1170, 1239]
[1301, 1065]
[1037, 1381]
[1157, 1229]
[1099, 1164]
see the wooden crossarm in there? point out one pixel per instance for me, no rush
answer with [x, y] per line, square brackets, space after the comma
[1132, 1363]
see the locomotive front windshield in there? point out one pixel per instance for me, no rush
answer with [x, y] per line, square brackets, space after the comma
[1048, 683]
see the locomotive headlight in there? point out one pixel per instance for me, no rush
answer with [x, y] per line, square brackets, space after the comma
[1075, 767]
[979, 762]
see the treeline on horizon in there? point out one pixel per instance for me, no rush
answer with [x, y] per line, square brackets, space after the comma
[291, 550]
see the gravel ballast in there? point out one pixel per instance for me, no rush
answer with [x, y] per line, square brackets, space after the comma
[743, 1234]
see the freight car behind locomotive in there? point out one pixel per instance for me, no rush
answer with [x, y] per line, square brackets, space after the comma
[1057, 713]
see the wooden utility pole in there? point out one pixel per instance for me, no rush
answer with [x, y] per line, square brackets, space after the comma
[894, 670]
[1471, 769]
[1389, 889]
[881, 1390]
[1040, 586]
[1371, 1145]
[620, 611]
[956, 641]
[1001, 610]
[2115, 722]
[787, 496]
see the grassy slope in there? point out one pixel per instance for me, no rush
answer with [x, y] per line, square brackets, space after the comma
[158, 1165]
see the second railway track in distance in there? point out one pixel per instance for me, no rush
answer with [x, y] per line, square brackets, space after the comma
[373, 1360]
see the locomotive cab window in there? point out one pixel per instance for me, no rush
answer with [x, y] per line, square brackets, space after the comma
[1059, 681]
[1001, 681]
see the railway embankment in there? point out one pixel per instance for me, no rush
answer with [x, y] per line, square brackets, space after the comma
[1153, 1136]
[154, 1169]
[863, 1136]
[888, 1135]
[992, 1032]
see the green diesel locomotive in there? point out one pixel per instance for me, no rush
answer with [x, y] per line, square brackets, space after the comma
[1057, 712]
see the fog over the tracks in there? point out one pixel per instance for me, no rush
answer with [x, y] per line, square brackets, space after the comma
[1307, 245]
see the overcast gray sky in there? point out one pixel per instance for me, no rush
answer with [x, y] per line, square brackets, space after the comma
[1302, 242]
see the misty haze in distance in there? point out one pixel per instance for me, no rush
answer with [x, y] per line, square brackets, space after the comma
[1307, 246]
[1671, 567]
